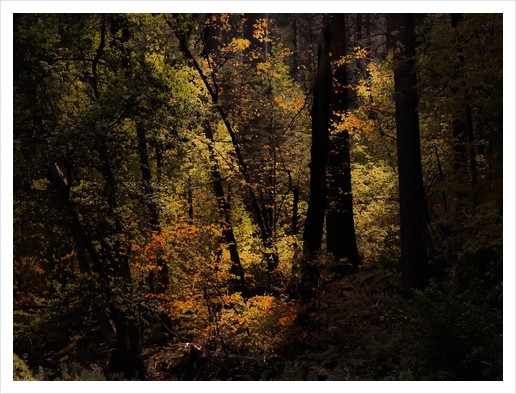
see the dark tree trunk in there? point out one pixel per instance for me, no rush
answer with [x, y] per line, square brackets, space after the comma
[367, 31]
[411, 190]
[83, 247]
[259, 48]
[358, 37]
[147, 178]
[228, 235]
[314, 223]
[456, 19]
[210, 31]
[340, 226]
[313, 232]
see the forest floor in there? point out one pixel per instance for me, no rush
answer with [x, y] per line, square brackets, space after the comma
[361, 326]
[350, 334]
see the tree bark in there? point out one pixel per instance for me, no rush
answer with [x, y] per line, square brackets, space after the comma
[295, 209]
[358, 36]
[411, 189]
[295, 55]
[314, 223]
[83, 247]
[228, 236]
[340, 225]
[313, 232]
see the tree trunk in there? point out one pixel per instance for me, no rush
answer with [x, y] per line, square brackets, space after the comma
[228, 235]
[83, 247]
[358, 36]
[314, 223]
[411, 190]
[367, 31]
[295, 55]
[152, 206]
[313, 232]
[253, 204]
[340, 226]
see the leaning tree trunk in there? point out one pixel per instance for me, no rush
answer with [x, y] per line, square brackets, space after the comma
[228, 236]
[253, 205]
[410, 174]
[83, 246]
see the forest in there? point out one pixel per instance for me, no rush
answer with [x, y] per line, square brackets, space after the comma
[258, 197]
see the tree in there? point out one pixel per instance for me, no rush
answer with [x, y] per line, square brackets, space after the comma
[89, 106]
[314, 223]
[413, 216]
[257, 136]
[340, 226]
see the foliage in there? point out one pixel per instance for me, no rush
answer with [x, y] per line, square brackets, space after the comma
[20, 369]
[457, 337]
[374, 165]
[156, 119]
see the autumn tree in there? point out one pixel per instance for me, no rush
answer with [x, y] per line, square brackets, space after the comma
[244, 90]
[95, 123]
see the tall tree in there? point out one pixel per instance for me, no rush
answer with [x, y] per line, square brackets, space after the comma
[210, 47]
[340, 226]
[413, 217]
[228, 236]
[314, 223]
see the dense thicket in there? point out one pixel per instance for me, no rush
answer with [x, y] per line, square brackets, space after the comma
[216, 196]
